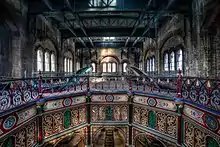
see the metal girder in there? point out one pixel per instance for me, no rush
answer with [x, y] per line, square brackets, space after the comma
[138, 22]
[155, 21]
[82, 26]
[110, 45]
[69, 27]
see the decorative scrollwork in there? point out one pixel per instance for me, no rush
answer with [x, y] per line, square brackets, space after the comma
[172, 125]
[161, 122]
[215, 99]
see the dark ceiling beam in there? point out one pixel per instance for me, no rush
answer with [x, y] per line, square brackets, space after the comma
[155, 20]
[82, 26]
[69, 27]
[138, 22]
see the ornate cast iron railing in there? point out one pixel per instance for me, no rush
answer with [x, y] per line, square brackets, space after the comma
[16, 92]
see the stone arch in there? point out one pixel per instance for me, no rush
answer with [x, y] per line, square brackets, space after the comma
[211, 142]
[142, 140]
[74, 140]
[113, 56]
[100, 136]
[168, 36]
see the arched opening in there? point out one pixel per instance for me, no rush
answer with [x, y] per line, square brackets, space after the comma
[143, 140]
[109, 136]
[109, 65]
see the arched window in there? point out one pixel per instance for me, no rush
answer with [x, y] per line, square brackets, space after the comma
[113, 67]
[65, 65]
[68, 62]
[39, 60]
[166, 62]
[148, 65]
[47, 61]
[179, 61]
[104, 67]
[77, 65]
[71, 65]
[109, 67]
[153, 63]
[53, 64]
[140, 65]
[93, 67]
[172, 61]
[124, 67]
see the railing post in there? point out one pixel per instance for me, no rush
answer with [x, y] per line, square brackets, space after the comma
[179, 84]
[40, 84]
[209, 92]
[88, 84]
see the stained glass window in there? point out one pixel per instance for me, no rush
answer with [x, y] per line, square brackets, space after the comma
[39, 60]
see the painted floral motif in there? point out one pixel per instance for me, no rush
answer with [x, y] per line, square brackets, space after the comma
[58, 122]
[117, 113]
[75, 115]
[136, 116]
[101, 113]
[9, 122]
[82, 115]
[199, 138]
[172, 125]
[20, 138]
[144, 117]
[211, 122]
[94, 113]
[30, 130]
[47, 125]
[161, 121]
[124, 113]
[189, 134]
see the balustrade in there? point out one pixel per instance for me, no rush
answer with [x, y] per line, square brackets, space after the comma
[17, 92]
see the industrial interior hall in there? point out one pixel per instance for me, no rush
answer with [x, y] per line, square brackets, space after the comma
[109, 73]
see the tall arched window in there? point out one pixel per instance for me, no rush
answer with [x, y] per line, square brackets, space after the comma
[179, 61]
[113, 67]
[172, 61]
[153, 63]
[166, 62]
[53, 64]
[109, 67]
[124, 67]
[93, 67]
[104, 67]
[68, 62]
[39, 60]
[77, 65]
[47, 61]
[148, 65]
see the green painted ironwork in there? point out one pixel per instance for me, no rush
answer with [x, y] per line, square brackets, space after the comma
[108, 113]
[152, 119]
[212, 142]
[67, 119]
[8, 142]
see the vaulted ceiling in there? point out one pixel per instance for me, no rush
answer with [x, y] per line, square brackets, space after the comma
[125, 22]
